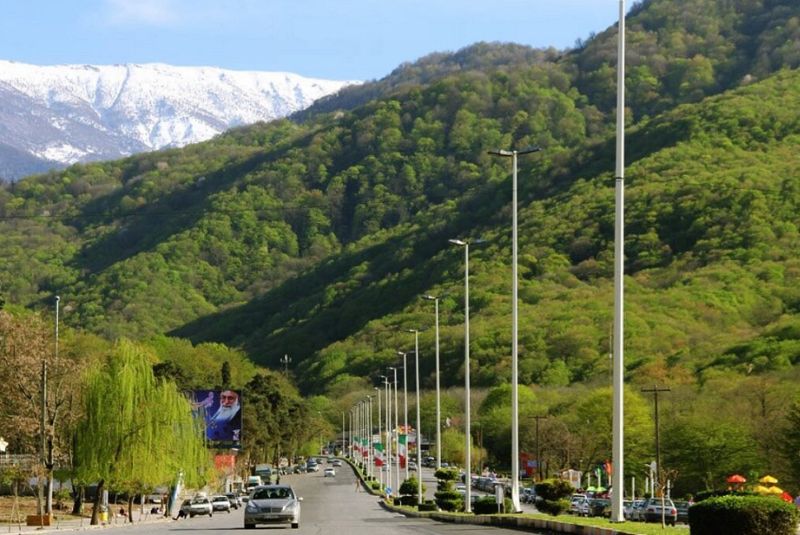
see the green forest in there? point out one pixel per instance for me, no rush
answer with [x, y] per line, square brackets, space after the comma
[316, 236]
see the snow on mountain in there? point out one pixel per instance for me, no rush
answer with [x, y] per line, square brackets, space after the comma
[59, 115]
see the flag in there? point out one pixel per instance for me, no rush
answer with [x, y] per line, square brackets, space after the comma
[365, 447]
[402, 441]
[378, 453]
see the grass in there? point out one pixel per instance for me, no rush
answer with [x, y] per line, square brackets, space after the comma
[634, 528]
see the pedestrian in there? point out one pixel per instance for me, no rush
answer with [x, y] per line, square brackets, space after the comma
[181, 514]
[358, 485]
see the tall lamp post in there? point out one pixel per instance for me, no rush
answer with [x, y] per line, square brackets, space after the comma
[405, 404]
[467, 408]
[618, 370]
[438, 402]
[387, 458]
[396, 427]
[514, 326]
[419, 431]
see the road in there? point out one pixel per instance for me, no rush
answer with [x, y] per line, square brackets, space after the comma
[330, 506]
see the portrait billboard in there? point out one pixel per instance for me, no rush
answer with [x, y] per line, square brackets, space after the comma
[222, 412]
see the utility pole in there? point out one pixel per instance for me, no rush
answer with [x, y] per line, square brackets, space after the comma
[538, 449]
[655, 390]
[285, 361]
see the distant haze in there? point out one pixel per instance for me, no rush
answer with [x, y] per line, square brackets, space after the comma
[52, 116]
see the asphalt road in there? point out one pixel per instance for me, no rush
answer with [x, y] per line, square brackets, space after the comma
[331, 506]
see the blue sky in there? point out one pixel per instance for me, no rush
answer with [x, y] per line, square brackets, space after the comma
[338, 39]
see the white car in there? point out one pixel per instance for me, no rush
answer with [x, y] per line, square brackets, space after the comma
[220, 503]
[272, 504]
[198, 506]
[329, 472]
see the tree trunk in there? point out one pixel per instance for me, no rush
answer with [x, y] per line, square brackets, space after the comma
[97, 499]
[130, 508]
[78, 495]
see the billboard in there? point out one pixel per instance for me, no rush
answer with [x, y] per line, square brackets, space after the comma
[222, 412]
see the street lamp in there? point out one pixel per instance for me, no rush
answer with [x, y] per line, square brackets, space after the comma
[467, 409]
[397, 427]
[438, 403]
[405, 407]
[514, 326]
[419, 431]
[387, 458]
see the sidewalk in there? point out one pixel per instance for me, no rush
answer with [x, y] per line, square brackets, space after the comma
[68, 523]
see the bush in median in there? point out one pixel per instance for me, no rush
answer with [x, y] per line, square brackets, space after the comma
[554, 494]
[743, 515]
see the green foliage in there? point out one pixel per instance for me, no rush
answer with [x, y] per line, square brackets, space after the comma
[554, 494]
[487, 505]
[447, 498]
[409, 487]
[743, 515]
[130, 420]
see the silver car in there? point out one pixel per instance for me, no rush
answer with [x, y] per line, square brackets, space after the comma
[272, 504]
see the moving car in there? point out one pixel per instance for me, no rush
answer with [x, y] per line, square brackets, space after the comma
[329, 472]
[272, 504]
[197, 506]
[234, 499]
[337, 463]
[220, 503]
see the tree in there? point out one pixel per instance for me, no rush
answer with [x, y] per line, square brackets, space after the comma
[137, 432]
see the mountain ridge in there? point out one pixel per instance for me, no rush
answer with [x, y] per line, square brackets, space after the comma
[65, 114]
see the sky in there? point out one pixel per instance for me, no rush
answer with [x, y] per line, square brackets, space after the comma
[334, 39]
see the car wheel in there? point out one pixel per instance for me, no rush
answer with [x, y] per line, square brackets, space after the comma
[191, 515]
[249, 526]
[295, 525]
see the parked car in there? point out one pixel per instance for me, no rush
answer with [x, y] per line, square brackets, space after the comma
[527, 495]
[637, 510]
[575, 501]
[329, 472]
[234, 499]
[198, 506]
[412, 466]
[273, 504]
[683, 510]
[653, 511]
[220, 503]
[598, 507]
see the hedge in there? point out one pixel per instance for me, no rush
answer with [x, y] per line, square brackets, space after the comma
[743, 515]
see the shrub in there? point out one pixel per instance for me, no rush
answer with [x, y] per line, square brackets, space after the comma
[554, 493]
[375, 485]
[553, 507]
[449, 500]
[743, 515]
[409, 487]
[428, 507]
[487, 505]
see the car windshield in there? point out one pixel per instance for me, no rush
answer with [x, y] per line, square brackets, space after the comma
[276, 493]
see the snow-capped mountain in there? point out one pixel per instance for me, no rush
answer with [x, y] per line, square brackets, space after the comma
[53, 116]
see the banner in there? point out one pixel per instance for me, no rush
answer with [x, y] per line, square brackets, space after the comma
[402, 449]
[222, 413]
[378, 453]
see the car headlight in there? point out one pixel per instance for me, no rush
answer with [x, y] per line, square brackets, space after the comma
[253, 508]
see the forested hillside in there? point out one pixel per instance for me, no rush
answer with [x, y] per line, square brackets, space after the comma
[316, 237]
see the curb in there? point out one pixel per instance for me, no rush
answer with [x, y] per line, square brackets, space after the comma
[506, 521]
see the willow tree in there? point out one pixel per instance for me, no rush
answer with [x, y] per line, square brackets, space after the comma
[138, 432]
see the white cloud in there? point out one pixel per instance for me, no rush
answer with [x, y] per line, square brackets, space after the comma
[138, 12]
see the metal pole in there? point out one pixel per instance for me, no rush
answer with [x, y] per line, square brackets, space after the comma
[617, 452]
[514, 326]
[387, 458]
[419, 429]
[514, 350]
[438, 396]
[397, 428]
[655, 390]
[405, 407]
[467, 411]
